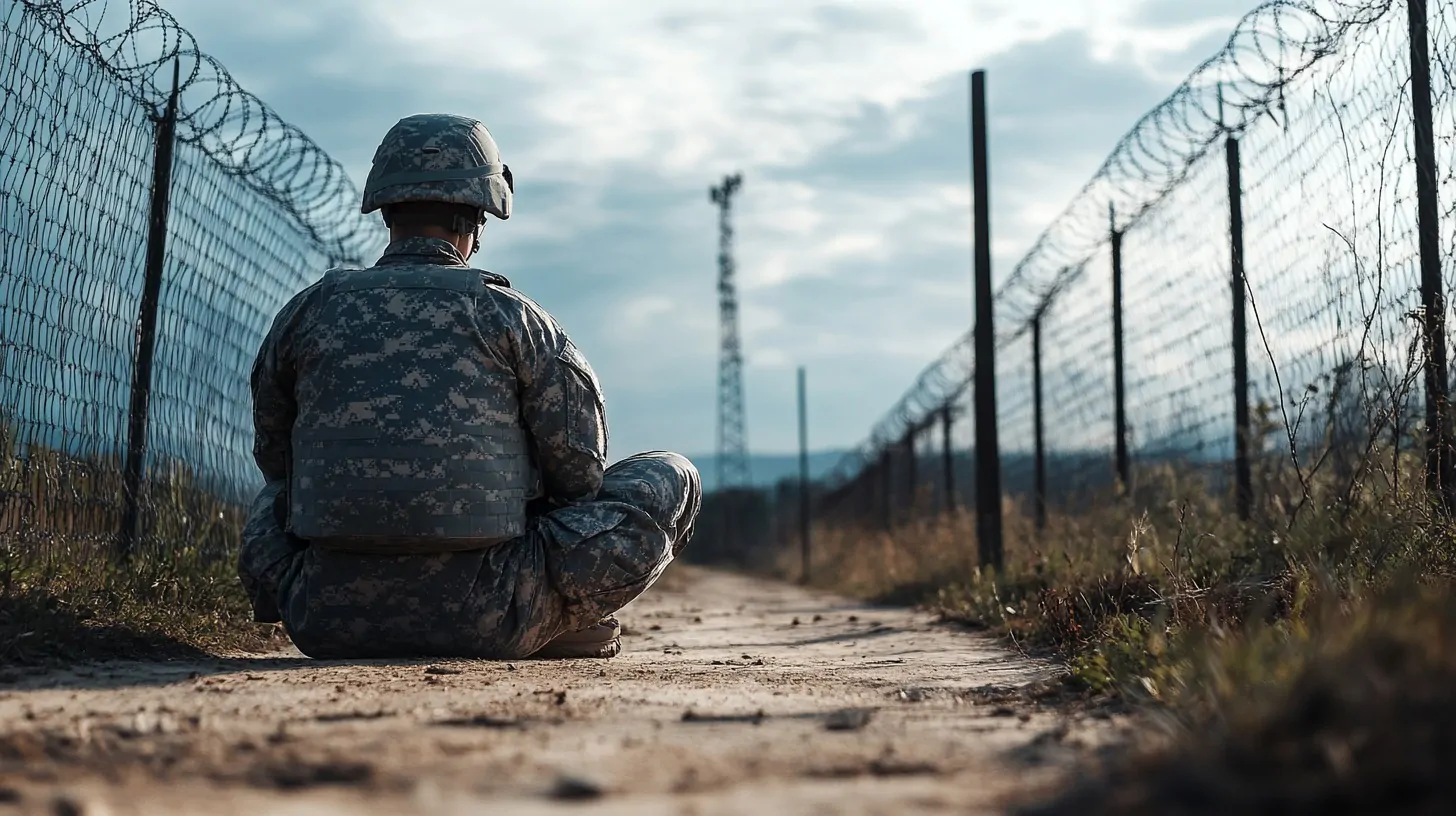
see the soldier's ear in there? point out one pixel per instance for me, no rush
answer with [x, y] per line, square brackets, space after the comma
[475, 236]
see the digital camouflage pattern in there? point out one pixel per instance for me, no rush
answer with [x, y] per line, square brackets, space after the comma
[573, 566]
[561, 406]
[439, 157]
[594, 538]
[407, 433]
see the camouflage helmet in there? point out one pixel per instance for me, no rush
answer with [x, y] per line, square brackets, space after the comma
[439, 157]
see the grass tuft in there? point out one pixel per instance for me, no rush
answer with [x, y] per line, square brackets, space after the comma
[1303, 660]
[64, 594]
[86, 607]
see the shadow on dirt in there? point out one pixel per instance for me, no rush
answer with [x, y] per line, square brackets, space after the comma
[1368, 728]
[48, 644]
[39, 629]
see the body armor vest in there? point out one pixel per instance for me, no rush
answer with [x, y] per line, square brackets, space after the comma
[408, 437]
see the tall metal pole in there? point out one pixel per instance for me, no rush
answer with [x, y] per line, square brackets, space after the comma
[886, 485]
[1433, 299]
[146, 326]
[1243, 476]
[804, 526]
[988, 453]
[912, 475]
[947, 451]
[866, 502]
[1037, 426]
[1119, 373]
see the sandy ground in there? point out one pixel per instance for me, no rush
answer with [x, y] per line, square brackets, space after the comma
[731, 695]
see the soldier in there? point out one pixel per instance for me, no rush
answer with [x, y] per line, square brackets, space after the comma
[434, 445]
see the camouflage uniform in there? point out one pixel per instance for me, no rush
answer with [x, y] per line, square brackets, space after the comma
[594, 537]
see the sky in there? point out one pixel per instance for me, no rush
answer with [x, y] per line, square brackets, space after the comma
[847, 118]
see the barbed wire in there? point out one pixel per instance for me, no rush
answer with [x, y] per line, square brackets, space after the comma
[1275, 49]
[136, 43]
[257, 212]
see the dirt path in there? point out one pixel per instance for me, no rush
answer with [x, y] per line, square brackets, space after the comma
[731, 696]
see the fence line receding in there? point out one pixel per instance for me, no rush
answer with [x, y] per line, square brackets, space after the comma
[1277, 187]
[254, 211]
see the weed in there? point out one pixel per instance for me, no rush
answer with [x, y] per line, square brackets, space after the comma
[1302, 659]
[64, 595]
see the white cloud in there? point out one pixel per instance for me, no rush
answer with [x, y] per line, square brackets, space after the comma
[620, 115]
[679, 84]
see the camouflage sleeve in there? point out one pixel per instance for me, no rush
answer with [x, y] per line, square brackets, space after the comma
[272, 384]
[563, 409]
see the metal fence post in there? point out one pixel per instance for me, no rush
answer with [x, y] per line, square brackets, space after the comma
[870, 504]
[1119, 371]
[1433, 299]
[855, 502]
[804, 520]
[912, 475]
[988, 453]
[861, 499]
[146, 326]
[948, 456]
[1037, 426]
[1243, 477]
[887, 490]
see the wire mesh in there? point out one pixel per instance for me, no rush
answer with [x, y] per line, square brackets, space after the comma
[257, 212]
[1317, 96]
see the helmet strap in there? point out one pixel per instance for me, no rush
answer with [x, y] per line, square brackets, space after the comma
[462, 226]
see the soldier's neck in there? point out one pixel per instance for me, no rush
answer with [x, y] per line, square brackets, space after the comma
[462, 243]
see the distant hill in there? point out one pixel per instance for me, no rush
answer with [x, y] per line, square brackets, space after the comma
[767, 469]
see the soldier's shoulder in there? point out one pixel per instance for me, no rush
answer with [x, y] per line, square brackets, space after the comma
[515, 301]
[291, 309]
[493, 279]
[308, 291]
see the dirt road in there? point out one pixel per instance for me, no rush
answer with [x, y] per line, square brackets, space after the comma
[731, 696]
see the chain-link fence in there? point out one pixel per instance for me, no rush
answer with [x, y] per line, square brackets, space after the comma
[1307, 120]
[143, 225]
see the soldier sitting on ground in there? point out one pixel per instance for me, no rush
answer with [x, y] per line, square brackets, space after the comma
[434, 445]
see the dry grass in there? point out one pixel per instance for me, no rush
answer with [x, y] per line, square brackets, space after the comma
[63, 594]
[86, 606]
[1350, 710]
[1302, 660]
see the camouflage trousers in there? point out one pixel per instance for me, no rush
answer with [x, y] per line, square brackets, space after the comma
[573, 566]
